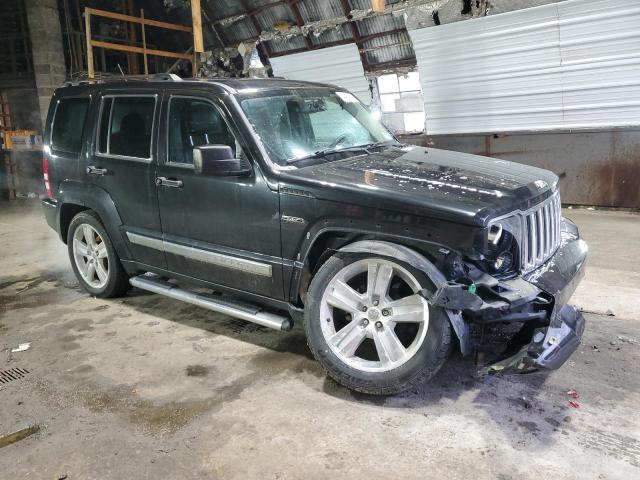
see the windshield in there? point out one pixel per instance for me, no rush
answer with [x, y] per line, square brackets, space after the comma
[304, 123]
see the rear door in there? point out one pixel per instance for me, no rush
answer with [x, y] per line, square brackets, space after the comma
[221, 229]
[123, 164]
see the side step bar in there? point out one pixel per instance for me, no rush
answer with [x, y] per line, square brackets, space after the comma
[246, 312]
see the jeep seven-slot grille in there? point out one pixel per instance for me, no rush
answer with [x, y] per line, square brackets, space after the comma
[541, 236]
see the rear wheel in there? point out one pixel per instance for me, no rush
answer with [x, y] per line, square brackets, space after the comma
[370, 329]
[93, 257]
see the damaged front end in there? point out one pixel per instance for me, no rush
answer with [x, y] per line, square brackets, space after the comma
[521, 324]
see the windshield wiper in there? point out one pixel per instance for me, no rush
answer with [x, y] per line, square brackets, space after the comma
[356, 148]
[328, 151]
[382, 143]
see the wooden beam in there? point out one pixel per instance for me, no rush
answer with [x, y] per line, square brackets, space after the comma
[377, 5]
[132, 60]
[128, 48]
[196, 20]
[87, 30]
[144, 44]
[129, 18]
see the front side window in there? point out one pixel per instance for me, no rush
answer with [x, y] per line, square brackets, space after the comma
[193, 123]
[300, 124]
[125, 126]
[68, 124]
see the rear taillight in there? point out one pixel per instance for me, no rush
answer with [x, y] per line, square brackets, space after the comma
[45, 174]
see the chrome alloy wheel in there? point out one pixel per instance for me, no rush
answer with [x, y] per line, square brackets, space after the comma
[90, 255]
[372, 317]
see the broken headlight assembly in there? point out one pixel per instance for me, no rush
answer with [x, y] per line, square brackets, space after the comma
[501, 246]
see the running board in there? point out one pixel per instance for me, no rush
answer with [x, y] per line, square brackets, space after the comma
[246, 312]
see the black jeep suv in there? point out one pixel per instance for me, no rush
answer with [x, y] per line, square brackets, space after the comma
[289, 200]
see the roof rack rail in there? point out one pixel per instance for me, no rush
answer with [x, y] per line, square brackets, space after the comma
[156, 77]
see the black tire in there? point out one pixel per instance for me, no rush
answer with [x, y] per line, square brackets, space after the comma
[425, 363]
[117, 279]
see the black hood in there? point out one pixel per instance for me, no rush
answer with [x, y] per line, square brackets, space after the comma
[444, 184]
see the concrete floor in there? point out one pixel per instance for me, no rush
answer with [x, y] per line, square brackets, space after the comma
[147, 387]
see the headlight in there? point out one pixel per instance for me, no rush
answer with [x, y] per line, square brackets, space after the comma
[502, 245]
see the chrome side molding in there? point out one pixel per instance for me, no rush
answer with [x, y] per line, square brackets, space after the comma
[206, 256]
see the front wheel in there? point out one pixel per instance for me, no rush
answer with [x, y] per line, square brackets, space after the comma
[93, 258]
[369, 327]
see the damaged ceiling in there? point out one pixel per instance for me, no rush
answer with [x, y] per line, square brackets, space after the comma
[284, 27]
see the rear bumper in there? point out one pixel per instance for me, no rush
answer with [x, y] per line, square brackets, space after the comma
[50, 209]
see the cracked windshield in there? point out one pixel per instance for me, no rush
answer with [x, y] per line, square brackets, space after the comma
[312, 124]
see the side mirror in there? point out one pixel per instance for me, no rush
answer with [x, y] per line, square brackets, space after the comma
[218, 160]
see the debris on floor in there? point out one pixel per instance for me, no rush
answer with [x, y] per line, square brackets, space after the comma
[572, 394]
[574, 404]
[630, 340]
[21, 347]
[14, 437]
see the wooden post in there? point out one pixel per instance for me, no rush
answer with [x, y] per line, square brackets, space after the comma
[87, 31]
[196, 17]
[144, 44]
[132, 59]
[377, 5]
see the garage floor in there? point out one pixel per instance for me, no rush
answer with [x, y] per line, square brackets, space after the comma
[147, 387]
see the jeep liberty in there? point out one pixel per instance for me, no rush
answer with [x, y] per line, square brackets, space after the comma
[289, 201]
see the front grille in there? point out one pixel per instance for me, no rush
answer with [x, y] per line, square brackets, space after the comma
[541, 236]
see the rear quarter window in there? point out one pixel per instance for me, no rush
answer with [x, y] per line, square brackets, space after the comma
[68, 124]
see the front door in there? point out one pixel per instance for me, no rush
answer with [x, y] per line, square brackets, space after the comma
[221, 229]
[123, 164]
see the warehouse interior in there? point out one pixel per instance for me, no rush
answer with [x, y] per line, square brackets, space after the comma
[145, 386]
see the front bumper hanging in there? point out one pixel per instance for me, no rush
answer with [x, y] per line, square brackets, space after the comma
[549, 348]
[558, 329]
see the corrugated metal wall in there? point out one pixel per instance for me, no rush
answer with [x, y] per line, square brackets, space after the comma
[339, 65]
[569, 65]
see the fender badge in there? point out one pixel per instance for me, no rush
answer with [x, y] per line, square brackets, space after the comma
[288, 219]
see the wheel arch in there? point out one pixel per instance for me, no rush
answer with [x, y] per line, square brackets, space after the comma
[67, 212]
[419, 261]
[76, 198]
[319, 248]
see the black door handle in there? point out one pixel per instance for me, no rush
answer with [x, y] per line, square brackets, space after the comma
[92, 170]
[168, 182]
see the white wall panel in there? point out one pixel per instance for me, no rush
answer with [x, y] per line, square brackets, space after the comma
[573, 64]
[339, 66]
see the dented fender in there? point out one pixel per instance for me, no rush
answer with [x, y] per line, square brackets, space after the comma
[419, 261]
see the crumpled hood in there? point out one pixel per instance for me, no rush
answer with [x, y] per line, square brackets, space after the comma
[449, 185]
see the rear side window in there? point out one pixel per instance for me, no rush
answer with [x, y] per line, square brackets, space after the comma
[125, 126]
[68, 124]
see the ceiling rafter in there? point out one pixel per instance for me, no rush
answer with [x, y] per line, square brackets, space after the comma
[301, 28]
[293, 6]
[255, 23]
[355, 33]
